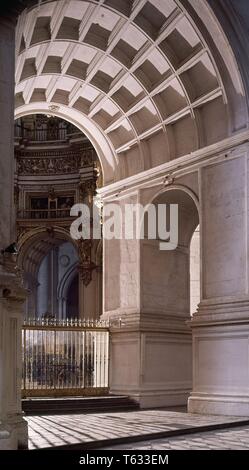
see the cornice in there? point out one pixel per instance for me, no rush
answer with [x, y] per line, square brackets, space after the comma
[187, 163]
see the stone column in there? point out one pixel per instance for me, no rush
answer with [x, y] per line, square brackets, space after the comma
[13, 429]
[121, 305]
[7, 74]
[221, 325]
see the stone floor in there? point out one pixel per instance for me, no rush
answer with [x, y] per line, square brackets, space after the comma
[59, 430]
[227, 439]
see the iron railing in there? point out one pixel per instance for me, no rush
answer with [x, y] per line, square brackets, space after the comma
[45, 133]
[64, 357]
[43, 213]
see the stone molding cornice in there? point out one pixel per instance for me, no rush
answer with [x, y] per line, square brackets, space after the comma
[147, 322]
[182, 165]
[49, 162]
[226, 312]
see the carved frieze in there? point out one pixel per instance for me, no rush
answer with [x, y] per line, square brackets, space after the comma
[53, 162]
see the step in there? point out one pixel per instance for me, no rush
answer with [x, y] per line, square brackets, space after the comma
[68, 405]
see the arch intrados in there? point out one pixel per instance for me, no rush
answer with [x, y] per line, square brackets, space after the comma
[105, 152]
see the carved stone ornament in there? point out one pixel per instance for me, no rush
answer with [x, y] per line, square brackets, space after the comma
[54, 107]
[84, 250]
[87, 188]
[86, 270]
[169, 179]
[85, 274]
[53, 162]
[85, 265]
[51, 193]
[50, 231]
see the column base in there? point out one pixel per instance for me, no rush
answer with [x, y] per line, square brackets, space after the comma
[14, 434]
[151, 360]
[161, 399]
[20, 428]
[6, 439]
[222, 405]
[220, 359]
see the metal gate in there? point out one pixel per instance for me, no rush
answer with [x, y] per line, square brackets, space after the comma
[65, 357]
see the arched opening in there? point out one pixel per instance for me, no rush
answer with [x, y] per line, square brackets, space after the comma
[56, 167]
[104, 150]
[165, 298]
[56, 268]
[52, 275]
[171, 289]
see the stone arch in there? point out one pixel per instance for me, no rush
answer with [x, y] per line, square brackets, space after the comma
[66, 281]
[35, 243]
[33, 247]
[175, 262]
[104, 149]
[155, 80]
[176, 187]
[64, 285]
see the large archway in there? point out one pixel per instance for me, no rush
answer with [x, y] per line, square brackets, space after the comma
[103, 148]
[49, 261]
[134, 77]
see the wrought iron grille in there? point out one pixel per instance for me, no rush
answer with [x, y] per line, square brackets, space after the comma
[41, 214]
[64, 357]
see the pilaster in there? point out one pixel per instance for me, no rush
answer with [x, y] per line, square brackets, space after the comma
[14, 432]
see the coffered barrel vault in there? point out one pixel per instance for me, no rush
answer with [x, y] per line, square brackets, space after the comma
[139, 78]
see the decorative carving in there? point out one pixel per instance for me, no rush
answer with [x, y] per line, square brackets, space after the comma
[84, 250]
[64, 260]
[86, 275]
[82, 191]
[88, 188]
[98, 175]
[20, 231]
[41, 163]
[51, 193]
[85, 266]
[50, 231]
[169, 179]
[87, 157]
[54, 107]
